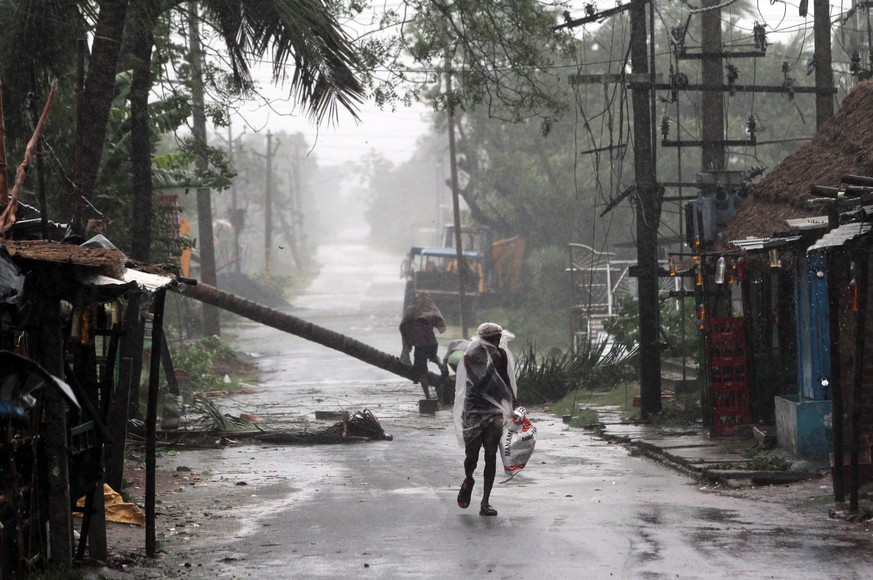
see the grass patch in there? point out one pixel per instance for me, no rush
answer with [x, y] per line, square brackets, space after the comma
[585, 418]
[582, 404]
[212, 365]
[621, 397]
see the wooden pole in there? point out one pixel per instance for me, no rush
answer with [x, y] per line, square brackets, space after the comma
[211, 322]
[834, 284]
[824, 74]
[51, 354]
[647, 205]
[74, 201]
[712, 70]
[120, 399]
[861, 269]
[456, 203]
[4, 178]
[152, 417]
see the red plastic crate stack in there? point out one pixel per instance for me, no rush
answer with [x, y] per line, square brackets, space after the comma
[728, 374]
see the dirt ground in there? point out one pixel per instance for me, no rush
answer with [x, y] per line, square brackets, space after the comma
[185, 508]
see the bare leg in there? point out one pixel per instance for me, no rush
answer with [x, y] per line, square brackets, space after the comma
[491, 441]
[489, 472]
[471, 458]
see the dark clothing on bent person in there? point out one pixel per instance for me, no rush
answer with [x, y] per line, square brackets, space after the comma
[418, 333]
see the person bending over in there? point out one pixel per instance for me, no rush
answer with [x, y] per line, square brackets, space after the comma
[416, 331]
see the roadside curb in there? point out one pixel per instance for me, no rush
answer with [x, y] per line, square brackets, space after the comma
[697, 469]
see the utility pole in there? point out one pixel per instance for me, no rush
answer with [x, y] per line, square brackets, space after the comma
[647, 194]
[648, 209]
[290, 229]
[235, 218]
[268, 201]
[211, 324]
[456, 207]
[824, 73]
[297, 203]
[712, 70]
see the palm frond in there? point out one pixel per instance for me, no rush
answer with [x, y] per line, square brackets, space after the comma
[303, 33]
[214, 421]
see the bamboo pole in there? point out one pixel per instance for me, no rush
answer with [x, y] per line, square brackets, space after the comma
[7, 218]
[4, 182]
[151, 420]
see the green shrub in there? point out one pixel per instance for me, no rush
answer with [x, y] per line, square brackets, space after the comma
[549, 377]
[208, 361]
[678, 326]
[681, 410]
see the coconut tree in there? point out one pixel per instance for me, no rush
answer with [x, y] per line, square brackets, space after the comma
[298, 32]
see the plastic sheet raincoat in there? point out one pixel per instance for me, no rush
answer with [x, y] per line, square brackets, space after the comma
[481, 394]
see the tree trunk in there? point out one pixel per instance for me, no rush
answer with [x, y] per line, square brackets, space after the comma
[211, 323]
[99, 92]
[143, 18]
[299, 327]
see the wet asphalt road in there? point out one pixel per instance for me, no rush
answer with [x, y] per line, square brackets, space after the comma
[581, 509]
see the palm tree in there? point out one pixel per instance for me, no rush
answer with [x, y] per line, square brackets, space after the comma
[297, 30]
[300, 31]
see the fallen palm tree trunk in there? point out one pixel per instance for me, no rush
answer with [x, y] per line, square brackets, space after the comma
[362, 426]
[299, 327]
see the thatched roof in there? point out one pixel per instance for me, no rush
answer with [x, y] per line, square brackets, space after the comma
[109, 259]
[844, 145]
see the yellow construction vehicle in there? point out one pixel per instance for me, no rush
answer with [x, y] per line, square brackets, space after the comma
[491, 275]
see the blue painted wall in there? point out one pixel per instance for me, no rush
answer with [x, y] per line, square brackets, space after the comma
[813, 332]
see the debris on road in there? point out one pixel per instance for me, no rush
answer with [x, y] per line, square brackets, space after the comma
[362, 426]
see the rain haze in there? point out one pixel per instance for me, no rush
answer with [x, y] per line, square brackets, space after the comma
[567, 305]
[343, 151]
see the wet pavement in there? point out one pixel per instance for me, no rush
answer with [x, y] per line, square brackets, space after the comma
[692, 450]
[585, 506]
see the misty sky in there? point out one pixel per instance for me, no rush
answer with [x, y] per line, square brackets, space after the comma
[394, 134]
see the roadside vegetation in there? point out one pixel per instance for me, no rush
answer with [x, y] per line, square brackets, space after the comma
[604, 372]
[212, 365]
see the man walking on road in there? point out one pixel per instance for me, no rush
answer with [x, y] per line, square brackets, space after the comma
[485, 395]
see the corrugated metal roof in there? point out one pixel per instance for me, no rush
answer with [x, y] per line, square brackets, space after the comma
[839, 236]
[810, 223]
[751, 244]
[146, 281]
[106, 288]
